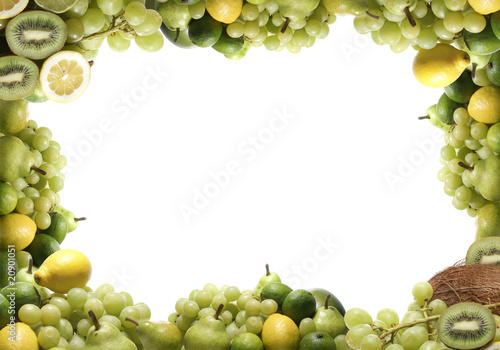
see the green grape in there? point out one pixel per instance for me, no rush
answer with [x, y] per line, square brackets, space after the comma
[40, 142]
[253, 324]
[61, 162]
[325, 30]
[355, 316]
[50, 170]
[251, 29]
[453, 181]
[298, 24]
[203, 298]
[129, 301]
[252, 307]
[150, 43]
[389, 316]
[243, 299]
[65, 329]
[391, 16]
[479, 131]
[450, 193]
[48, 337]
[183, 322]
[471, 157]
[76, 297]
[151, 23]
[453, 22]
[113, 303]
[268, 306]
[427, 39]
[56, 183]
[441, 31]
[271, 28]
[448, 152]
[484, 152]
[235, 29]
[179, 305]
[232, 293]
[31, 192]
[95, 305]
[427, 20]
[38, 156]
[376, 37]
[93, 21]
[359, 25]
[205, 311]
[135, 13]
[32, 178]
[77, 342]
[241, 318]
[455, 167]
[409, 31]
[422, 292]
[42, 130]
[42, 204]
[372, 22]
[414, 337]
[172, 318]
[83, 326]
[190, 309]
[75, 30]
[390, 33]
[472, 212]
[401, 45]
[461, 116]
[25, 205]
[250, 12]
[26, 135]
[356, 334]
[320, 14]
[232, 330]
[50, 315]
[263, 18]
[42, 220]
[30, 314]
[55, 144]
[101, 291]
[260, 37]
[286, 36]
[306, 326]
[477, 201]
[300, 37]
[453, 141]
[227, 317]
[461, 132]
[63, 306]
[463, 194]
[144, 310]
[442, 173]
[110, 7]
[437, 306]
[371, 342]
[218, 299]
[277, 19]
[197, 10]
[50, 154]
[118, 43]
[439, 8]
[481, 77]
[455, 5]
[130, 312]
[474, 22]
[472, 143]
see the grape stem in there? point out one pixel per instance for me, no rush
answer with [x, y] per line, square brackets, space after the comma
[371, 15]
[80, 219]
[111, 30]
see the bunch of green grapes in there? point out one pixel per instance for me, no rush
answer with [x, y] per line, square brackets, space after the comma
[428, 23]
[263, 25]
[119, 22]
[63, 319]
[38, 192]
[242, 312]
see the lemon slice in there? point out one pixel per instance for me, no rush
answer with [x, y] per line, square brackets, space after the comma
[10, 8]
[56, 6]
[64, 76]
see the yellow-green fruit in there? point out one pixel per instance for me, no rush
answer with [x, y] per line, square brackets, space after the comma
[13, 116]
[16, 231]
[485, 7]
[439, 66]
[63, 270]
[488, 221]
[484, 104]
[225, 11]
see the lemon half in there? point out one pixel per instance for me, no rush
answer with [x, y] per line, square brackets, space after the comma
[11, 8]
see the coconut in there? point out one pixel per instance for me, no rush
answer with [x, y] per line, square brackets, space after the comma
[468, 283]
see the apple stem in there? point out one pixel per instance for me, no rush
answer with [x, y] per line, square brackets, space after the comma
[465, 166]
[371, 15]
[38, 170]
[30, 266]
[267, 270]
[424, 117]
[327, 300]
[408, 15]
[219, 310]
[93, 317]
[131, 320]
[285, 26]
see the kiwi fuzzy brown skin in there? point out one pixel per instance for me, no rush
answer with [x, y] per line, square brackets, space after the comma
[484, 251]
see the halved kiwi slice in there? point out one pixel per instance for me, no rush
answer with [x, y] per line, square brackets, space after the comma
[485, 251]
[18, 77]
[36, 34]
[466, 326]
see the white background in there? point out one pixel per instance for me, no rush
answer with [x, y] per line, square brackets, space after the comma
[151, 128]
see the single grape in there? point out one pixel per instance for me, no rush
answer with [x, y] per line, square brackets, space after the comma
[150, 43]
[101, 291]
[250, 12]
[414, 337]
[93, 20]
[118, 43]
[235, 29]
[254, 324]
[453, 22]
[190, 309]
[427, 39]
[439, 8]
[63, 306]
[135, 13]
[203, 298]
[437, 306]
[83, 326]
[376, 21]
[30, 314]
[42, 220]
[355, 316]
[232, 293]
[130, 312]
[474, 22]
[150, 25]
[306, 326]
[371, 342]
[110, 7]
[389, 316]
[356, 334]
[268, 306]
[95, 305]
[48, 337]
[422, 292]
[113, 303]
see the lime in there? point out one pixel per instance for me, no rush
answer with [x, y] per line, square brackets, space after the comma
[58, 227]
[8, 198]
[484, 105]
[56, 6]
[247, 341]
[317, 341]
[42, 247]
[10, 8]
[14, 116]
[299, 304]
[320, 295]
[4, 311]
[276, 291]
[24, 338]
[204, 32]
[8, 267]
[227, 45]
[20, 293]
[280, 333]
[16, 230]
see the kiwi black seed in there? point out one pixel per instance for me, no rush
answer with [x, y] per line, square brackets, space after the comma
[485, 251]
[18, 77]
[36, 34]
[466, 326]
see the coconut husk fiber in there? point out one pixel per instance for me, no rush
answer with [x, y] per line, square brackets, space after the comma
[468, 283]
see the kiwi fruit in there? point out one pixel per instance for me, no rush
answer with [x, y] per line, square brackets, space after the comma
[36, 34]
[485, 251]
[466, 326]
[18, 77]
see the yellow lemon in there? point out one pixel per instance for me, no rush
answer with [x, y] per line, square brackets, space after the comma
[225, 11]
[280, 333]
[484, 104]
[485, 7]
[16, 230]
[439, 66]
[63, 270]
[18, 337]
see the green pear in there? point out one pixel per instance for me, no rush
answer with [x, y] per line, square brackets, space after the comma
[293, 10]
[431, 115]
[179, 38]
[208, 333]
[72, 220]
[321, 294]
[402, 7]
[347, 7]
[174, 15]
[27, 274]
[159, 335]
[488, 221]
[16, 160]
[265, 279]
[13, 116]
[484, 176]
[329, 320]
[106, 337]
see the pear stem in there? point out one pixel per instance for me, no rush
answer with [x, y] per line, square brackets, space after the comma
[371, 15]
[267, 270]
[219, 310]
[473, 71]
[285, 26]
[38, 170]
[83, 218]
[424, 117]
[465, 166]
[327, 300]
[30, 266]
[93, 317]
[177, 34]
[408, 15]
[131, 320]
